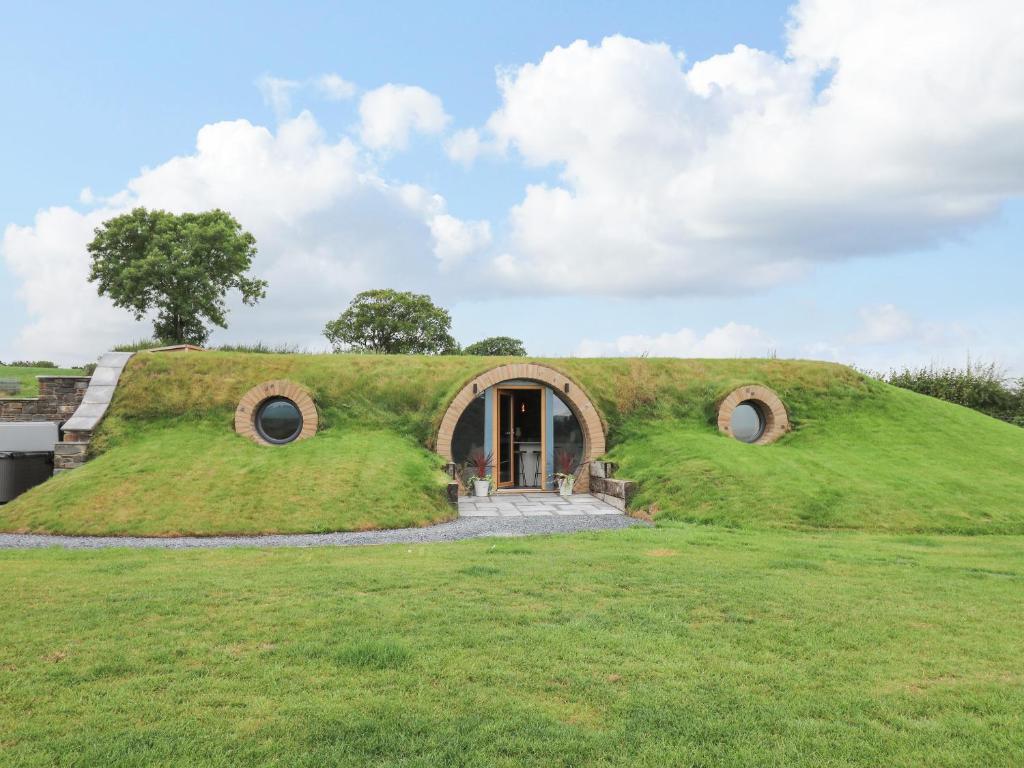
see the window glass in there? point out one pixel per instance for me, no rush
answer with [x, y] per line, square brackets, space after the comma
[279, 420]
[747, 423]
[568, 438]
[469, 431]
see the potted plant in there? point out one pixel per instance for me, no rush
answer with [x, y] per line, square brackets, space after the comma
[565, 466]
[477, 475]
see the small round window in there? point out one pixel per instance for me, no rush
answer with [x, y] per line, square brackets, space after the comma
[279, 420]
[747, 422]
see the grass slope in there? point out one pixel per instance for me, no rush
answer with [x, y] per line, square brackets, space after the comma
[27, 377]
[863, 454]
[202, 478]
[897, 461]
[696, 646]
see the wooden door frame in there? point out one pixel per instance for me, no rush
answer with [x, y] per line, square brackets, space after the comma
[496, 434]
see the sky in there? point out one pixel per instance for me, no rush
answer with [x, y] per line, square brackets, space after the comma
[828, 179]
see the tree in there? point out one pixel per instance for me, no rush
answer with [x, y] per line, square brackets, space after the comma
[499, 346]
[180, 265]
[392, 323]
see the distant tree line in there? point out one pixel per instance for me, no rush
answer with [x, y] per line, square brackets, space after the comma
[30, 364]
[984, 387]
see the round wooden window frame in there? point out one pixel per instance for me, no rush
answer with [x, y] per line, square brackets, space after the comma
[773, 410]
[249, 407]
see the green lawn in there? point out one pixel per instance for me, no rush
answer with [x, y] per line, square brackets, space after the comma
[682, 645]
[27, 377]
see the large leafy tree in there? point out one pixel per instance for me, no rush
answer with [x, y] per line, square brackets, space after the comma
[504, 346]
[392, 323]
[180, 265]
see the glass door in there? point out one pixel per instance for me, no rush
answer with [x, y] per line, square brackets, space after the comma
[520, 437]
[506, 439]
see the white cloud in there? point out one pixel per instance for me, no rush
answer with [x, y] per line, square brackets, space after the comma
[885, 324]
[887, 336]
[889, 325]
[729, 340]
[465, 146]
[326, 224]
[277, 93]
[887, 126]
[389, 115]
[455, 240]
[70, 322]
[335, 87]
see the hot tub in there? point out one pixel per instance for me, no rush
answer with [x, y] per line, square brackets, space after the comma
[26, 456]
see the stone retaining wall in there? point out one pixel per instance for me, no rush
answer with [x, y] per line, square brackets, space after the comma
[69, 456]
[59, 397]
[608, 489]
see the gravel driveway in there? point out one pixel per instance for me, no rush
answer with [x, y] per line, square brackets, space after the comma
[463, 528]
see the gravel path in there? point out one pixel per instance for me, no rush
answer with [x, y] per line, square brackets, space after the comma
[463, 528]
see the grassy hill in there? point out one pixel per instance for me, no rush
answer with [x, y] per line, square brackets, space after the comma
[863, 455]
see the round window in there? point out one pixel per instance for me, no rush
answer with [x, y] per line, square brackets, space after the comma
[279, 420]
[747, 422]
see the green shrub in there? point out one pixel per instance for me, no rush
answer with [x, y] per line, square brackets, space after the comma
[984, 387]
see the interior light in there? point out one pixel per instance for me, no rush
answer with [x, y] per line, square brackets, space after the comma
[522, 408]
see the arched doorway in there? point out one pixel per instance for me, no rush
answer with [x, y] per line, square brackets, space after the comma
[532, 419]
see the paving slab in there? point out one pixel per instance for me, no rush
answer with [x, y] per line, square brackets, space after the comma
[535, 505]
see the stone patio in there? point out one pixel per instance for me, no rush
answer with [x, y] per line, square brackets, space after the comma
[533, 505]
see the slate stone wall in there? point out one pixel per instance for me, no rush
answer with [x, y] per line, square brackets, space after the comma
[69, 456]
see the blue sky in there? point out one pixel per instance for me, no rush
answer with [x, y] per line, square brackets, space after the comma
[908, 255]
